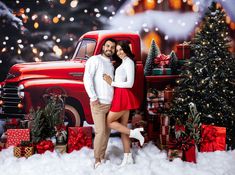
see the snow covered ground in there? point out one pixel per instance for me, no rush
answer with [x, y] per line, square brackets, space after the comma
[149, 161]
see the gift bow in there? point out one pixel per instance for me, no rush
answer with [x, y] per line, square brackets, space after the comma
[45, 145]
[78, 139]
[182, 143]
[13, 122]
[162, 60]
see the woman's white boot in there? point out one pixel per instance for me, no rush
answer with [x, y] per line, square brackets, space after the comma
[135, 133]
[127, 159]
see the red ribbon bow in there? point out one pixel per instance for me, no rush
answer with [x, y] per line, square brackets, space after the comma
[45, 145]
[78, 139]
[182, 143]
[162, 60]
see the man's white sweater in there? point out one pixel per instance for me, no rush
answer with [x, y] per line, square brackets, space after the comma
[95, 86]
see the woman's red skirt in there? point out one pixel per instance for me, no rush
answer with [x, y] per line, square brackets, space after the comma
[124, 99]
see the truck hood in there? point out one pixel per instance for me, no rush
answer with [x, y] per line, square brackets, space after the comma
[54, 69]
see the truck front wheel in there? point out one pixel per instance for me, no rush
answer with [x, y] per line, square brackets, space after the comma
[72, 116]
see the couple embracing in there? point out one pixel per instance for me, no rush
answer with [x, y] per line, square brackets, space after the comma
[111, 98]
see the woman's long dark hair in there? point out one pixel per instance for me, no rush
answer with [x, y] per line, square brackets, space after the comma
[125, 45]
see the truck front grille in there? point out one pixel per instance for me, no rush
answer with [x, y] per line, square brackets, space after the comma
[10, 99]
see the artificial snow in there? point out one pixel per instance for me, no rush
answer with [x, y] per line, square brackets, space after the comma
[148, 161]
[174, 25]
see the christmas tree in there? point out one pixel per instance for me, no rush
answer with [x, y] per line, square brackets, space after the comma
[208, 80]
[153, 52]
[45, 120]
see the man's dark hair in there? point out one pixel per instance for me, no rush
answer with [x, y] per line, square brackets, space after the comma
[110, 39]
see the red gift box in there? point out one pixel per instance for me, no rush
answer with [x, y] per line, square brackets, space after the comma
[164, 139]
[79, 137]
[164, 120]
[168, 94]
[15, 136]
[190, 154]
[164, 130]
[183, 51]
[213, 138]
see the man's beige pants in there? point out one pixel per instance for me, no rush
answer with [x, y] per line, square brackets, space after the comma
[102, 132]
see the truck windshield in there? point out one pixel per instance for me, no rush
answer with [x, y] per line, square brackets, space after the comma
[85, 49]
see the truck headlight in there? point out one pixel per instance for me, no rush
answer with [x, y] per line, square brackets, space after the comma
[20, 91]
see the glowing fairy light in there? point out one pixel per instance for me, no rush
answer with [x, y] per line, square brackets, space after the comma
[45, 37]
[71, 19]
[19, 41]
[27, 10]
[34, 50]
[41, 54]
[34, 17]
[36, 25]
[74, 3]
[57, 50]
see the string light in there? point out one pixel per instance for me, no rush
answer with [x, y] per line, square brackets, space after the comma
[74, 3]
[36, 25]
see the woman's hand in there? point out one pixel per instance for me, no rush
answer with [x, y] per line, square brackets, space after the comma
[107, 78]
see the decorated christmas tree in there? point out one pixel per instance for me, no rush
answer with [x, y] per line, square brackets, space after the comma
[153, 52]
[208, 80]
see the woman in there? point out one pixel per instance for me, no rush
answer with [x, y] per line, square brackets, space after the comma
[124, 100]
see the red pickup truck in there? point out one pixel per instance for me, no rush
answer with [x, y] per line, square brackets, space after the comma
[26, 83]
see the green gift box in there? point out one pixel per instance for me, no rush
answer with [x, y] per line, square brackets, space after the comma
[162, 71]
[183, 62]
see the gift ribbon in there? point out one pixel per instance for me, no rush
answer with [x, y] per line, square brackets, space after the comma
[162, 60]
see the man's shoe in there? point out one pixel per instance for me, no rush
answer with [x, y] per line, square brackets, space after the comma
[97, 164]
[103, 161]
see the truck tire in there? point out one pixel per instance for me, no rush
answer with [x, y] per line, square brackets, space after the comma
[72, 116]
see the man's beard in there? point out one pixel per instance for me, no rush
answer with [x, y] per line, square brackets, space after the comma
[108, 53]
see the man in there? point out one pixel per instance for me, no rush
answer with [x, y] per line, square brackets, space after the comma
[101, 95]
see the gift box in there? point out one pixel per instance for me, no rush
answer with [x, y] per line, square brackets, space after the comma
[15, 136]
[61, 148]
[44, 145]
[189, 155]
[168, 94]
[23, 151]
[174, 153]
[161, 71]
[164, 130]
[164, 120]
[213, 138]
[183, 51]
[183, 62]
[153, 127]
[164, 139]
[79, 137]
